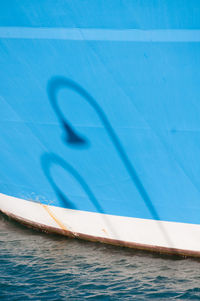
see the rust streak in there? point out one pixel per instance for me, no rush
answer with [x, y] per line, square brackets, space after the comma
[104, 230]
[59, 223]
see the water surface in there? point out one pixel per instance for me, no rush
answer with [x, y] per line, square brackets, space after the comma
[38, 266]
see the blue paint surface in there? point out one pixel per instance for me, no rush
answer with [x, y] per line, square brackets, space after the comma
[140, 14]
[102, 125]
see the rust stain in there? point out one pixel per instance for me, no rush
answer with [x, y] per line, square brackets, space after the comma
[104, 230]
[59, 223]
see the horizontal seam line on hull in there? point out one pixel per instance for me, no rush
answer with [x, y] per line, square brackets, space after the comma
[93, 34]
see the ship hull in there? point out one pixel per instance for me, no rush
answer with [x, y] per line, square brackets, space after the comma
[100, 120]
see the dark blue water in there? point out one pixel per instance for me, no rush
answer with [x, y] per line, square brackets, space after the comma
[36, 266]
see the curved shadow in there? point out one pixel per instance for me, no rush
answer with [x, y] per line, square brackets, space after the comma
[57, 83]
[47, 160]
[72, 138]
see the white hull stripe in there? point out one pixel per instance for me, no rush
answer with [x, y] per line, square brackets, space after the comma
[162, 236]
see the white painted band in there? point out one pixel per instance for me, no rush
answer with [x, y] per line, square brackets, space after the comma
[133, 230]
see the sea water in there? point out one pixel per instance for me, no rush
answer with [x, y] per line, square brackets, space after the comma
[38, 266]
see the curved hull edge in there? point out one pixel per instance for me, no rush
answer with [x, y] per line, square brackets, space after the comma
[148, 235]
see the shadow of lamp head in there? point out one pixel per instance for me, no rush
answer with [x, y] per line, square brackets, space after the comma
[71, 137]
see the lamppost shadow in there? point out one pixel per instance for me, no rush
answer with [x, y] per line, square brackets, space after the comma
[79, 141]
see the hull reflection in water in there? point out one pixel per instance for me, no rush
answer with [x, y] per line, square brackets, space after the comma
[100, 122]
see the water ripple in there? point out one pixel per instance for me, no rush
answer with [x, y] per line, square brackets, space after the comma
[35, 266]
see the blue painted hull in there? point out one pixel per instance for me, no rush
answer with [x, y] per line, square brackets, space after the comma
[99, 106]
